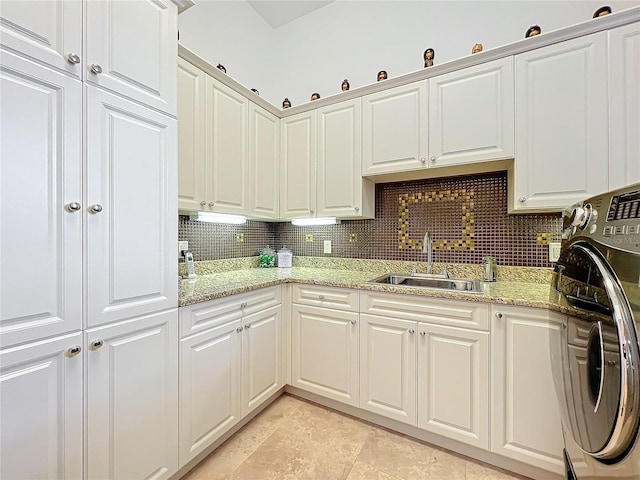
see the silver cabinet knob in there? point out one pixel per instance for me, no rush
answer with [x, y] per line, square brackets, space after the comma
[498, 315]
[96, 69]
[73, 351]
[203, 203]
[312, 212]
[96, 344]
[357, 209]
[248, 325]
[211, 204]
[522, 199]
[412, 331]
[73, 58]
[423, 333]
[73, 206]
[243, 305]
[96, 208]
[433, 159]
[423, 160]
[239, 329]
[353, 322]
[321, 297]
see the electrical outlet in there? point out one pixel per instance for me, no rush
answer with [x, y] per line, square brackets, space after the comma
[184, 245]
[554, 251]
[327, 246]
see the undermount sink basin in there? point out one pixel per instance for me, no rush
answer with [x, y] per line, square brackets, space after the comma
[451, 284]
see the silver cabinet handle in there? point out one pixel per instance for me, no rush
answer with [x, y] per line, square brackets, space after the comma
[357, 209]
[203, 203]
[321, 297]
[353, 322]
[73, 58]
[97, 208]
[498, 315]
[423, 160]
[248, 325]
[239, 329]
[412, 331]
[96, 344]
[73, 351]
[211, 204]
[74, 206]
[522, 199]
[423, 333]
[243, 305]
[433, 159]
[96, 69]
[312, 212]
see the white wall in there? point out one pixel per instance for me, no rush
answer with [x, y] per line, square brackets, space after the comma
[355, 39]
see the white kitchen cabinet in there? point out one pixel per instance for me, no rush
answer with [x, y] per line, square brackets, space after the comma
[525, 416]
[40, 202]
[264, 159]
[210, 377]
[388, 367]
[471, 114]
[561, 124]
[261, 357]
[132, 398]
[324, 352]
[191, 161]
[41, 406]
[49, 33]
[226, 149]
[453, 383]
[130, 203]
[131, 49]
[624, 109]
[341, 190]
[298, 165]
[395, 130]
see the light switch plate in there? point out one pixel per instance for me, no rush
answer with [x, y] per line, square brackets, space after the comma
[184, 245]
[554, 251]
[327, 246]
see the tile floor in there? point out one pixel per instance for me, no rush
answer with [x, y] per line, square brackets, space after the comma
[296, 439]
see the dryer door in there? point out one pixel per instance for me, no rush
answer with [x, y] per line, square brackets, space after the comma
[602, 360]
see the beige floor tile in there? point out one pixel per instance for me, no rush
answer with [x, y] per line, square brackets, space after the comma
[476, 471]
[230, 455]
[312, 444]
[397, 455]
[364, 471]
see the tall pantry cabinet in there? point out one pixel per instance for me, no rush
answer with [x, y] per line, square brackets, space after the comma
[88, 317]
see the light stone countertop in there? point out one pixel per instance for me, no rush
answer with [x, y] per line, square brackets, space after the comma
[224, 283]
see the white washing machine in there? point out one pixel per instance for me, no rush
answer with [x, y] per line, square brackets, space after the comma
[596, 283]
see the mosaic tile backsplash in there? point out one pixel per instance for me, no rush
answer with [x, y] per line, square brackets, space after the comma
[465, 216]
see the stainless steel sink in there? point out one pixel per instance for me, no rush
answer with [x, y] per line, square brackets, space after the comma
[451, 284]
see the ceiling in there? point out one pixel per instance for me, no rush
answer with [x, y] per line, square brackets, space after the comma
[279, 12]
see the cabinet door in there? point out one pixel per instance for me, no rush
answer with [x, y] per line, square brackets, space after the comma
[40, 177]
[134, 46]
[46, 32]
[132, 398]
[525, 415]
[227, 159]
[41, 410]
[453, 383]
[210, 372]
[324, 352]
[471, 114]
[394, 130]
[261, 357]
[624, 111]
[388, 367]
[264, 159]
[561, 124]
[341, 191]
[298, 166]
[191, 162]
[131, 241]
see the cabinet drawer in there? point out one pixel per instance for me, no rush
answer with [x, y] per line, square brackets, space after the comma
[457, 313]
[327, 297]
[196, 318]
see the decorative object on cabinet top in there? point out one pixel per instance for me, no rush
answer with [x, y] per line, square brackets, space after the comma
[532, 31]
[255, 90]
[602, 11]
[382, 75]
[315, 96]
[345, 85]
[477, 48]
[286, 103]
[221, 68]
[428, 55]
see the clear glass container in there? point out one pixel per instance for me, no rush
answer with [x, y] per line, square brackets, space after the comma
[267, 257]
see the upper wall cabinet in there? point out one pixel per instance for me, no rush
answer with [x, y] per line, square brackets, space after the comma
[471, 114]
[341, 190]
[132, 49]
[53, 36]
[624, 110]
[226, 151]
[561, 124]
[298, 165]
[394, 135]
[264, 151]
[191, 173]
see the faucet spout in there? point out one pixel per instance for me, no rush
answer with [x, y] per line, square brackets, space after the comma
[426, 248]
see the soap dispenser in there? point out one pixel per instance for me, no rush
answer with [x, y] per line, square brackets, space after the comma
[489, 269]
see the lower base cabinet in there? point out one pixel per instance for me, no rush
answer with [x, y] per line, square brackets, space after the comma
[132, 398]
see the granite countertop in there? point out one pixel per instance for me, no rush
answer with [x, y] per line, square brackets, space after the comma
[522, 291]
